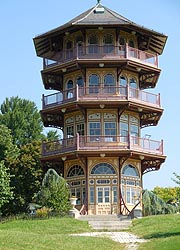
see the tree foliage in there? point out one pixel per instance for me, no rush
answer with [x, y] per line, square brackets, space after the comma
[21, 116]
[7, 148]
[52, 135]
[54, 193]
[26, 179]
[153, 205]
[5, 190]
[166, 193]
[177, 178]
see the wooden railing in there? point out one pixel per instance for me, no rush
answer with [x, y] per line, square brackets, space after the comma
[110, 93]
[107, 143]
[106, 52]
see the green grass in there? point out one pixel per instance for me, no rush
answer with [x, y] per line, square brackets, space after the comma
[50, 234]
[162, 232]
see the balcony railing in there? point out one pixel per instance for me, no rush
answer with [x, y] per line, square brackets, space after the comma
[110, 93]
[106, 52]
[101, 143]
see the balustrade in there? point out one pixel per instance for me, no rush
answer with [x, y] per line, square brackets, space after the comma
[109, 93]
[102, 52]
[93, 143]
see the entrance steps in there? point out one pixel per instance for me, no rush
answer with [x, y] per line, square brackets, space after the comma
[107, 222]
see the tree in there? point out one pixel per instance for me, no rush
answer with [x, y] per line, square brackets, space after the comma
[166, 193]
[7, 148]
[54, 193]
[153, 205]
[177, 178]
[22, 118]
[5, 190]
[52, 135]
[26, 179]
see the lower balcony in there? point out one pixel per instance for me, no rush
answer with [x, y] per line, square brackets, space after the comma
[104, 144]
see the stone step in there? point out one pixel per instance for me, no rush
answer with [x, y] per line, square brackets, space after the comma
[110, 225]
[103, 217]
[107, 222]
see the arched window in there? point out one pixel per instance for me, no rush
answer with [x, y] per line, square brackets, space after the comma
[129, 170]
[109, 82]
[123, 85]
[76, 181]
[131, 43]
[103, 168]
[94, 83]
[75, 170]
[80, 81]
[122, 43]
[108, 43]
[79, 42]
[130, 184]
[70, 89]
[69, 49]
[93, 44]
[133, 88]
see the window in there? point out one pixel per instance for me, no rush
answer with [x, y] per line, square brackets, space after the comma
[80, 81]
[79, 42]
[70, 89]
[133, 90]
[95, 131]
[70, 131]
[76, 181]
[109, 83]
[129, 125]
[94, 83]
[123, 85]
[75, 170]
[108, 44]
[103, 168]
[132, 50]
[110, 131]
[122, 46]
[93, 44]
[130, 191]
[114, 193]
[80, 129]
[69, 49]
[91, 195]
[131, 43]
[129, 170]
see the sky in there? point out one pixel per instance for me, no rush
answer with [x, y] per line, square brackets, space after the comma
[20, 68]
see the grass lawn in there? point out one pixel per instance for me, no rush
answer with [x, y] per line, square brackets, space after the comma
[161, 231]
[50, 234]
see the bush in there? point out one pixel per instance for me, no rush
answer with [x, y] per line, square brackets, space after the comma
[43, 212]
[54, 193]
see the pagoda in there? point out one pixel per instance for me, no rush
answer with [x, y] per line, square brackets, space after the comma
[100, 66]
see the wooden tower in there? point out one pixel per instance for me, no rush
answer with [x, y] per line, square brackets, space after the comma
[99, 65]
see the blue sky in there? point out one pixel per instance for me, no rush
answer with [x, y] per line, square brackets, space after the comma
[20, 67]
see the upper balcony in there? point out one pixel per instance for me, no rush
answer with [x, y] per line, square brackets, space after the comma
[100, 95]
[103, 53]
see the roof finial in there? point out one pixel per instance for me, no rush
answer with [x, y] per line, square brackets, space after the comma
[98, 1]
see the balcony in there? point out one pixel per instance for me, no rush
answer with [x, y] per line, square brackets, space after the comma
[106, 144]
[96, 93]
[106, 52]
